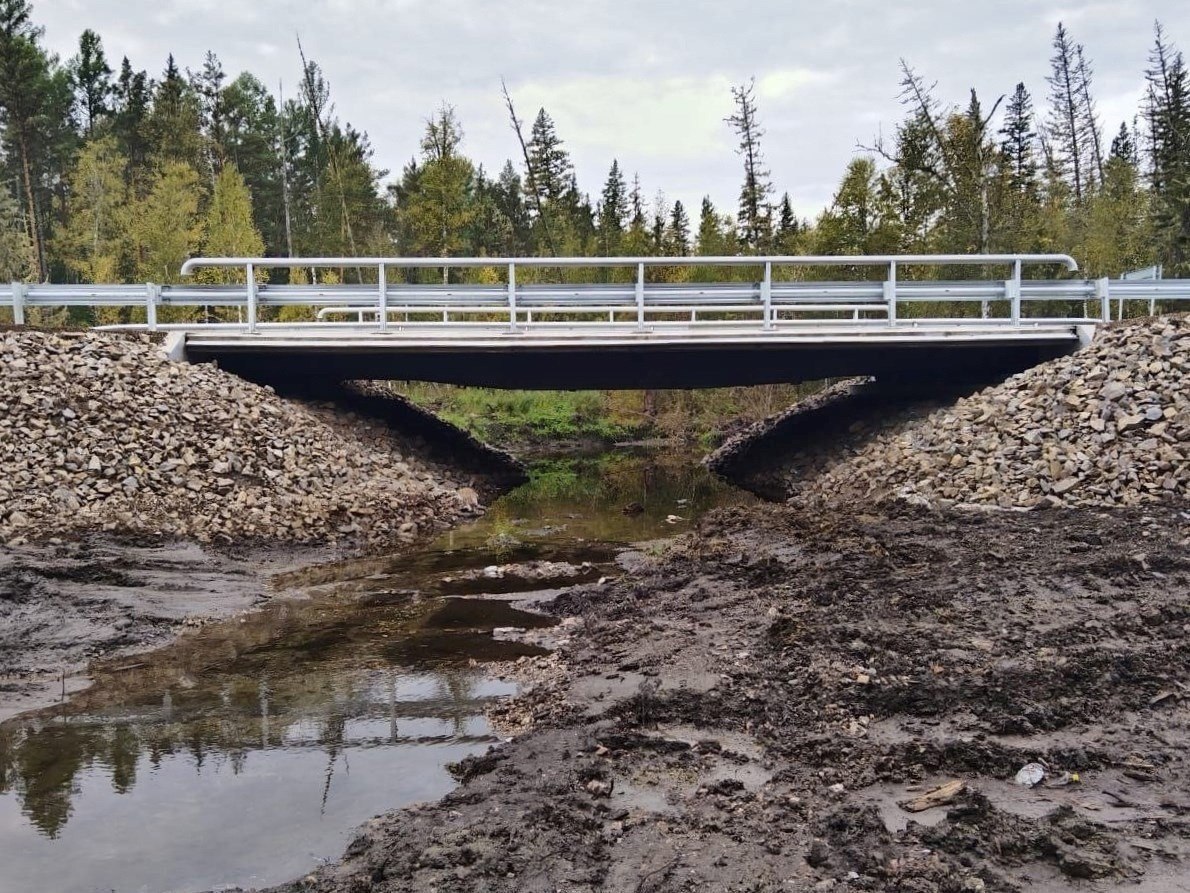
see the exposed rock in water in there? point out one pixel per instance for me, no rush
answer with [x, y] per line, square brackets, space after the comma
[104, 433]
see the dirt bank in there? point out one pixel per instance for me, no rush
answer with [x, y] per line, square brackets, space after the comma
[748, 712]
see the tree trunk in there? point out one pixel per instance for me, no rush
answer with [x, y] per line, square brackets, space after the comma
[34, 225]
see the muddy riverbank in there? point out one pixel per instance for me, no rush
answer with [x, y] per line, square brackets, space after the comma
[65, 605]
[760, 708]
[248, 749]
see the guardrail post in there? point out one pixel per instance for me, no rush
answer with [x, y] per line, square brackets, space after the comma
[1014, 293]
[512, 297]
[890, 293]
[640, 297]
[251, 271]
[152, 295]
[766, 295]
[19, 295]
[1103, 290]
[382, 297]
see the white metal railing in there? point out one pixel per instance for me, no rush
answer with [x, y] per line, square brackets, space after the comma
[768, 293]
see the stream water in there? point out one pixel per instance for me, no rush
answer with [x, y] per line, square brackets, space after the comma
[248, 752]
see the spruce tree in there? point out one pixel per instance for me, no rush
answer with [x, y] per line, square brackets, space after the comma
[1167, 113]
[549, 162]
[1019, 143]
[174, 125]
[509, 197]
[678, 234]
[755, 218]
[1072, 128]
[92, 80]
[613, 210]
[133, 101]
[710, 230]
[787, 227]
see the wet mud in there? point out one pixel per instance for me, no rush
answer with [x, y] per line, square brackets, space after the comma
[63, 606]
[838, 702]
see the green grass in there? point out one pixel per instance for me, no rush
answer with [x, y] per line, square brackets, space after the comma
[539, 415]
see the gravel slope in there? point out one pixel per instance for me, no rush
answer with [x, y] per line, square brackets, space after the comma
[1106, 426]
[104, 433]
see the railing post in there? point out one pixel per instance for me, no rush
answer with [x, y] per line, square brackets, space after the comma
[766, 295]
[382, 297]
[512, 297]
[640, 297]
[890, 293]
[19, 295]
[1014, 293]
[1103, 289]
[152, 295]
[251, 271]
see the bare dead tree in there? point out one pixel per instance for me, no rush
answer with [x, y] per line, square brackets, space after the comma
[530, 176]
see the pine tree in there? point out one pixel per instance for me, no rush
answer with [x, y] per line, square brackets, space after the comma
[25, 85]
[660, 218]
[1020, 141]
[92, 80]
[251, 140]
[755, 218]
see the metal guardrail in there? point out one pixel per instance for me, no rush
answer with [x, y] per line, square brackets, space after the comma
[771, 300]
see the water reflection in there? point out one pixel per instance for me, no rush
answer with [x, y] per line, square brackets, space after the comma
[250, 749]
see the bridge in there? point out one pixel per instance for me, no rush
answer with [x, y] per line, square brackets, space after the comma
[647, 322]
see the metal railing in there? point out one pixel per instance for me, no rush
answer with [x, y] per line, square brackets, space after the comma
[765, 293]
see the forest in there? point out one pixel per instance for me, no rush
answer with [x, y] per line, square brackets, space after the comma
[113, 174]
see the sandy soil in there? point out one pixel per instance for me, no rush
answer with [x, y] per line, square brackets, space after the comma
[62, 606]
[749, 712]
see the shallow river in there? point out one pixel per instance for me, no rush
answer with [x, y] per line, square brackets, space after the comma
[246, 754]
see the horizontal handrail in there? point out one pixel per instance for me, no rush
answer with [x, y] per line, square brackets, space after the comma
[755, 298]
[864, 260]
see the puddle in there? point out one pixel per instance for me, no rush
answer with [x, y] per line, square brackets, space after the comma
[249, 751]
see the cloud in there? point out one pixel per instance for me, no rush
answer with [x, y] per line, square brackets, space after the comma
[679, 117]
[782, 83]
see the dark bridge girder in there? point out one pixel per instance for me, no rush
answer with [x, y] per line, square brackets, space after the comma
[627, 365]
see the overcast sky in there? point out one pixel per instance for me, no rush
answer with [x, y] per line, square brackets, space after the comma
[645, 82]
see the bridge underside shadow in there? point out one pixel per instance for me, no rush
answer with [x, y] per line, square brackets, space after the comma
[630, 365]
